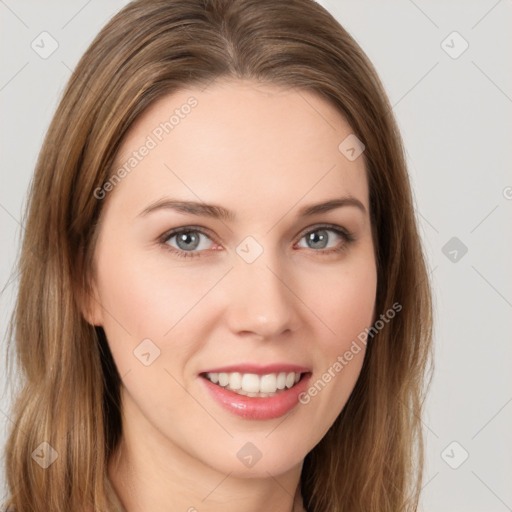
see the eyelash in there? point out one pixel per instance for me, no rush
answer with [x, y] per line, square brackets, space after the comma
[345, 235]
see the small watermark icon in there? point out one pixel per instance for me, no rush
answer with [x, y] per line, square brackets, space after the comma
[454, 455]
[146, 352]
[454, 249]
[45, 455]
[351, 147]
[454, 45]
[44, 45]
[249, 454]
[249, 249]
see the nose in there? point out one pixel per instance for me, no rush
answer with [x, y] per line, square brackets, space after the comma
[261, 300]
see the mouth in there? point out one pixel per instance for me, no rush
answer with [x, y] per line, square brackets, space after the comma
[257, 392]
[253, 385]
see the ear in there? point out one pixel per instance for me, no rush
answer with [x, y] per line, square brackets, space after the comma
[90, 304]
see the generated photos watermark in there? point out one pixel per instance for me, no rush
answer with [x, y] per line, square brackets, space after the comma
[348, 355]
[152, 140]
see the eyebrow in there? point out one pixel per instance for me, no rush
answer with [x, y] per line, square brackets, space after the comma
[219, 212]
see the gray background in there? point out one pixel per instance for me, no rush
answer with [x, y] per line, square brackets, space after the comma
[455, 115]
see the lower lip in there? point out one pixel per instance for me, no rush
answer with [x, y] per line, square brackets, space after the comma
[254, 408]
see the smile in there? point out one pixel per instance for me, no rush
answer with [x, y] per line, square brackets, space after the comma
[255, 392]
[253, 385]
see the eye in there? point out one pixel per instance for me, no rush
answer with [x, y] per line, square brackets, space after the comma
[319, 238]
[187, 239]
[186, 242]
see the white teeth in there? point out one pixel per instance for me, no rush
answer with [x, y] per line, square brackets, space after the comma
[268, 383]
[290, 380]
[223, 379]
[235, 381]
[253, 385]
[281, 380]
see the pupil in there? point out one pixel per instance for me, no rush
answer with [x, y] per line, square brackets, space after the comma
[185, 238]
[318, 240]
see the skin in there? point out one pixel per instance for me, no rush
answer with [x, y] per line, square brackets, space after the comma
[263, 152]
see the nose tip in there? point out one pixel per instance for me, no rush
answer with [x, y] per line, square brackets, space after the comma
[261, 303]
[267, 326]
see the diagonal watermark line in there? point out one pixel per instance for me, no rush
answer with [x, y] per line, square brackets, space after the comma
[494, 209]
[300, 199]
[200, 404]
[15, 273]
[209, 83]
[510, 400]
[76, 14]
[491, 490]
[198, 301]
[3, 3]
[35, 253]
[427, 221]
[216, 487]
[14, 423]
[125, 374]
[419, 417]
[18, 272]
[279, 424]
[107, 311]
[416, 84]
[12, 216]
[430, 481]
[427, 427]
[424, 14]
[486, 14]
[279, 483]
[14, 76]
[491, 286]
[300, 94]
[300, 299]
[492, 81]
[85, 84]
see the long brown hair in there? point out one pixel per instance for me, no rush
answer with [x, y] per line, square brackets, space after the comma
[371, 459]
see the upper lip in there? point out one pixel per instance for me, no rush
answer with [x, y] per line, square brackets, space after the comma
[259, 369]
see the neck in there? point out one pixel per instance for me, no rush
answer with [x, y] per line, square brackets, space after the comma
[149, 472]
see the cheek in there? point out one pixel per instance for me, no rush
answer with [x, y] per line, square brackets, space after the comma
[346, 305]
[141, 306]
[133, 308]
[345, 301]
[144, 299]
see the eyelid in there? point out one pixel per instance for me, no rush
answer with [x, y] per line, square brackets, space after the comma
[163, 239]
[327, 226]
[184, 229]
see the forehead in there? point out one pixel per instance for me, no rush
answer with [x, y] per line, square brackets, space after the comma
[240, 142]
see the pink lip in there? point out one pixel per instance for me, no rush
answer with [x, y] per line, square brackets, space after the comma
[257, 408]
[259, 369]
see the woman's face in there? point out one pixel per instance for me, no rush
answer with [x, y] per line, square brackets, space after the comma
[256, 288]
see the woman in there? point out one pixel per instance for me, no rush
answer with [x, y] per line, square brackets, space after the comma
[223, 299]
